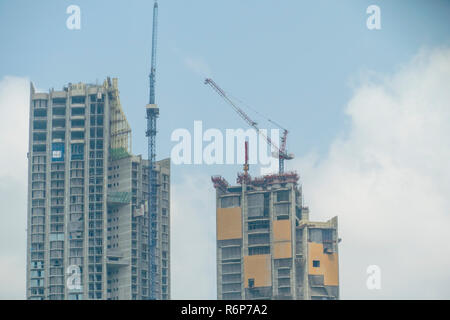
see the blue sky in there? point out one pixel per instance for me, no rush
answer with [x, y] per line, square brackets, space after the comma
[292, 60]
[299, 62]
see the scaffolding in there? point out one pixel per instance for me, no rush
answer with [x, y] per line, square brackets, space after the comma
[288, 177]
[119, 198]
[220, 183]
[120, 128]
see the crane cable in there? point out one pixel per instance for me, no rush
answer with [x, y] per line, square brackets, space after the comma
[255, 111]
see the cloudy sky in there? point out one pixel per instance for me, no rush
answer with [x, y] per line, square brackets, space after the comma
[368, 113]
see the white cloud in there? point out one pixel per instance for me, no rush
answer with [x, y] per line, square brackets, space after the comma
[14, 103]
[193, 228]
[199, 66]
[388, 180]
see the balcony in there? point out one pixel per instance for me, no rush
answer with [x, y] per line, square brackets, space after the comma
[114, 258]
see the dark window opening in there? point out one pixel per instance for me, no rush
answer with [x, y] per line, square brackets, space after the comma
[78, 123]
[327, 235]
[59, 123]
[78, 99]
[283, 195]
[39, 148]
[39, 103]
[39, 136]
[61, 111]
[77, 135]
[40, 125]
[77, 151]
[78, 111]
[316, 264]
[40, 112]
[97, 97]
[256, 225]
[258, 250]
[100, 132]
[266, 204]
[59, 100]
[58, 135]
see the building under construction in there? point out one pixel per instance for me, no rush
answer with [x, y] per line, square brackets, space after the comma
[267, 248]
[88, 216]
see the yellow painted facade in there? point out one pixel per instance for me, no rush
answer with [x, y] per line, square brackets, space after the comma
[259, 268]
[282, 230]
[229, 223]
[282, 236]
[328, 264]
[282, 250]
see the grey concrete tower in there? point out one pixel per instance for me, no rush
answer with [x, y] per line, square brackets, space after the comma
[87, 199]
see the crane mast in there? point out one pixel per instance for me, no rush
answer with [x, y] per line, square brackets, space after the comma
[281, 151]
[153, 62]
[152, 111]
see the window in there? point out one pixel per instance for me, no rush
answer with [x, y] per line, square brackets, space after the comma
[40, 125]
[231, 253]
[327, 235]
[77, 135]
[97, 97]
[316, 264]
[59, 123]
[256, 225]
[99, 144]
[78, 123]
[258, 239]
[283, 195]
[282, 209]
[255, 205]
[78, 99]
[266, 203]
[100, 132]
[39, 103]
[78, 111]
[59, 100]
[56, 236]
[42, 136]
[252, 251]
[251, 283]
[77, 151]
[39, 148]
[230, 202]
[61, 111]
[40, 112]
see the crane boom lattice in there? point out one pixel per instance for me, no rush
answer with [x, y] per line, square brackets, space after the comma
[281, 151]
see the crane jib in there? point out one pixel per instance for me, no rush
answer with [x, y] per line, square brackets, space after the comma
[282, 153]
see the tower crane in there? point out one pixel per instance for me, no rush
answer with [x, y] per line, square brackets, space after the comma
[281, 152]
[152, 113]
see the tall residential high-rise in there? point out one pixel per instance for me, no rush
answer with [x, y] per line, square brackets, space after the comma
[88, 199]
[267, 248]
